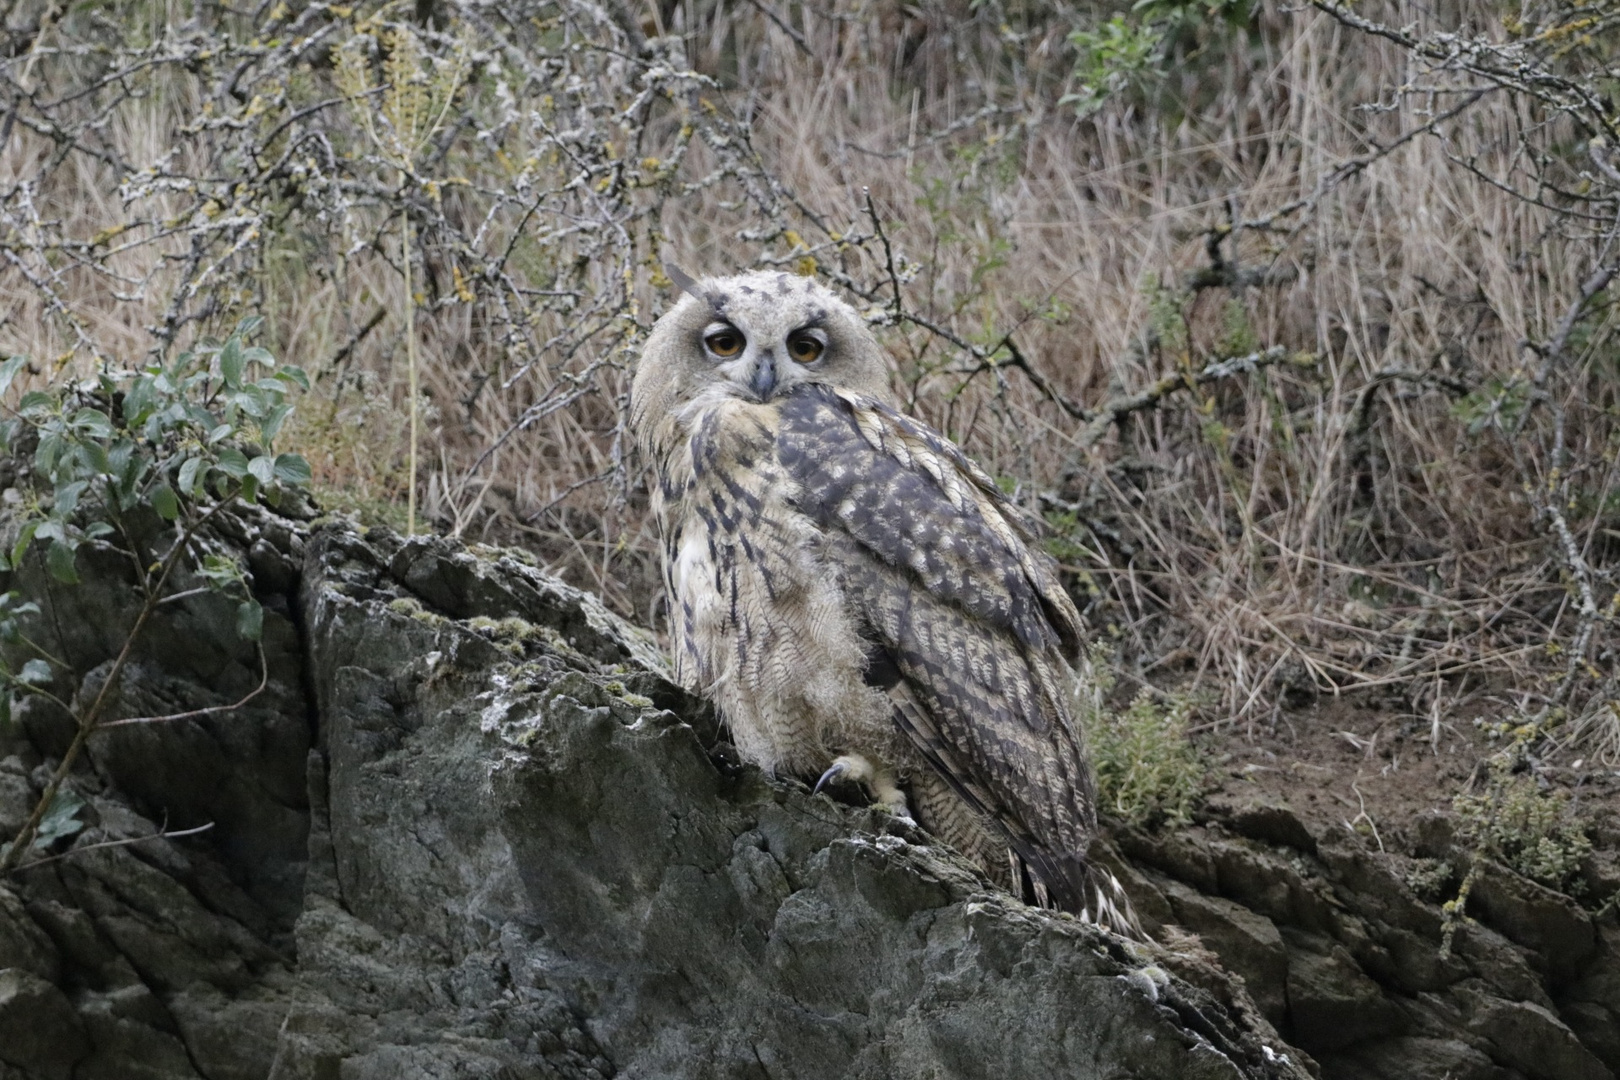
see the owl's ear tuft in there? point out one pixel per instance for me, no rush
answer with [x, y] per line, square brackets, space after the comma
[682, 281]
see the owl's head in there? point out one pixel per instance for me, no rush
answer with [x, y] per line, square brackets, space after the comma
[755, 337]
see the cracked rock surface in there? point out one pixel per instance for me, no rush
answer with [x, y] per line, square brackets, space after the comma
[469, 829]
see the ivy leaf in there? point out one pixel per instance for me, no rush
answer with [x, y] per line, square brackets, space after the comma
[165, 502]
[59, 560]
[292, 470]
[250, 620]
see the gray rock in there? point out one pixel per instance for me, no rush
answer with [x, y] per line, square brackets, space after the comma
[39, 1032]
[469, 829]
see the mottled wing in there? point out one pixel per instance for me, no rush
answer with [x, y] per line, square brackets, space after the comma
[972, 618]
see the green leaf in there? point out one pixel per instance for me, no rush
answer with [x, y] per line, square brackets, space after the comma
[51, 445]
[164, 501]
[120, 457]
[295, 374]
[233, 463]
[59, 559]
[35, 673]
[67, 497]
[139, 401]
[251, 401]
[61, 820]
[36, 405]
[250, 489]
[188, 479]
[231, 362]
[248, 325]
[92, 423]
[94, 457]
[271, 424]
[250, 620]
[24, 538]
[292, 470]
[263, 469]
[97, 529]
[218, 433]
[9, 370]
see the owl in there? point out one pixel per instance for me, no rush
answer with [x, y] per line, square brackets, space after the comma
[856, 596]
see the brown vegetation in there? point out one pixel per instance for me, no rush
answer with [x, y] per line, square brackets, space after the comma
[1300, 339]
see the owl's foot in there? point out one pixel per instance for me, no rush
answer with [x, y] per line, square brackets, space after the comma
[853, 768]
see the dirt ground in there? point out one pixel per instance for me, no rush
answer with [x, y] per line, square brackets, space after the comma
[1357, 763]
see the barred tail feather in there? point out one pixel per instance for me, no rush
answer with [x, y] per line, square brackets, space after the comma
[1074, 884]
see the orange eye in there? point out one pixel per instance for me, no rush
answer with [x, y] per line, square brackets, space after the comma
[804, 348]
[724, 343]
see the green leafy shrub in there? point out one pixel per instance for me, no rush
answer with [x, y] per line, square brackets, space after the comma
[1148, 771]
[1536, 833]
[171, 445]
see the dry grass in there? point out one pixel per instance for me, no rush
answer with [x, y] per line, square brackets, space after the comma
[1321, 526]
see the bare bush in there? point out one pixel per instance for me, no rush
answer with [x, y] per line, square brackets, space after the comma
[1299, 337]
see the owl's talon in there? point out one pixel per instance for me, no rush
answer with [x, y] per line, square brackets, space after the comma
[850, 767]
[878, 781]
[834, 771]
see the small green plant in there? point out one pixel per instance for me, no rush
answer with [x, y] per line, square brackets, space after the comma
[1510, 819]
[169, 446]
[1148, 772]
[1110, 58]
[1428, 878]
[1133, 49]
[1499, 404]
[1534, 832]
[1167, 317]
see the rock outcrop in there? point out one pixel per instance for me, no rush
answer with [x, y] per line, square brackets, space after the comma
[467, 828]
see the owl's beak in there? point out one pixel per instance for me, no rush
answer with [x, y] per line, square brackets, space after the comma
[763, 379]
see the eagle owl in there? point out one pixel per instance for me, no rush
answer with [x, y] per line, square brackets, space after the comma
[854, 594]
